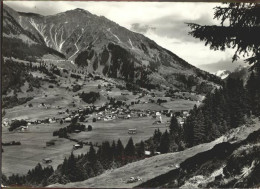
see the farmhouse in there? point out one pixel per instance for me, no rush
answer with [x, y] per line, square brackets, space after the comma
[77, 146]
[47, 160]
[147, 153]
[132, 131]
[68, 119]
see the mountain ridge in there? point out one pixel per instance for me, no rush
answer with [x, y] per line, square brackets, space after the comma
[101, 45]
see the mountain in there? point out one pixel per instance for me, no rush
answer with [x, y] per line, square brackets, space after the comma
[19, 42]
[222, 65]
[223, 74]
[101, 46]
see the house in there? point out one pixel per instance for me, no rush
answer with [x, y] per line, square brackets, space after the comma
[159, 116]
[47, 160]
[5, 123]
[77, 146]
[147, 153]
[185, 114]
[68, 119]
[128, 116]
[132, 131]
[22, 128]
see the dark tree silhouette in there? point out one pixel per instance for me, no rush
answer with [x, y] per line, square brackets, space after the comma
[238, 29]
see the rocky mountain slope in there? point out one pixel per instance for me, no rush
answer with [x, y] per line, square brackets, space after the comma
[104, 47]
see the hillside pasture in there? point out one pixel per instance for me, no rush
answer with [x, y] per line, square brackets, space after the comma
[19, 159]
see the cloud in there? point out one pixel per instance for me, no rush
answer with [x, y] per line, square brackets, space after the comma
[137, 27]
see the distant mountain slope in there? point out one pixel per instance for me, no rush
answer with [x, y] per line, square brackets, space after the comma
[223, 74]
[102, 46]
[222, 65]
[19, 42]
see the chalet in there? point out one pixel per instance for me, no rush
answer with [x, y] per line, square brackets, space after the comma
[147, 153]
[47, 160]
[77, 146]
[68, 119]
[128, 116]
[80, 111]
[185, 114]
[5, 123]
[52, 120]
[132, 131]
[22, 128]
[61, 112]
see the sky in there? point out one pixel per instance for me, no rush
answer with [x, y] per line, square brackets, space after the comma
[163, 22]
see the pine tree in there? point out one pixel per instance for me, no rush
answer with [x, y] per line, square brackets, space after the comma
[199, 129]
[98, 168]
[174, 126]
[130, 148]
[92, 154]
[141, 149]
[239, 28]
[72, 168]
[164, 142]
[119, 150]
[113, 149]
[157, 136]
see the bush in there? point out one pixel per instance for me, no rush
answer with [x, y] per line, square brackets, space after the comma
[90, 97]
[76, 88]
[89, 128]
[16, 124]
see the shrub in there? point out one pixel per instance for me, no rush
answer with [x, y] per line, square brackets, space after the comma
[90, 97]
[76, 88]
[89, 128]
[16, 124]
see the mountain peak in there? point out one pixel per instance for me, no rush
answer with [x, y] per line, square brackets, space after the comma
[79, 10]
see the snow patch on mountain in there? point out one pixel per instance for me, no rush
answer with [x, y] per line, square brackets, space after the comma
[130, 42]
[109, 30]
[223, 74]
[40, 28]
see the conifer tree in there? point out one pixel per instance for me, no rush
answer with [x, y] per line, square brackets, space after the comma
[130, 148]
[92, 154]
[119, 150]
[174, 126]
[164, 142]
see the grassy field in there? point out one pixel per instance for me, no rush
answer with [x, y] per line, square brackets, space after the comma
[115, 129]
[19, 159]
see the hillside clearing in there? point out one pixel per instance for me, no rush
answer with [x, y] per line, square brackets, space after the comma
[150, 168]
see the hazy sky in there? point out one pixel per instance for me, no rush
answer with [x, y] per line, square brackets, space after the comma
[163, 22]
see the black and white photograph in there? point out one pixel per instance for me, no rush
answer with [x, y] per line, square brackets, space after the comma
[125, 94]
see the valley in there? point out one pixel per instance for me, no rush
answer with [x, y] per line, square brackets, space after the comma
[89, 103]
[51, 104]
